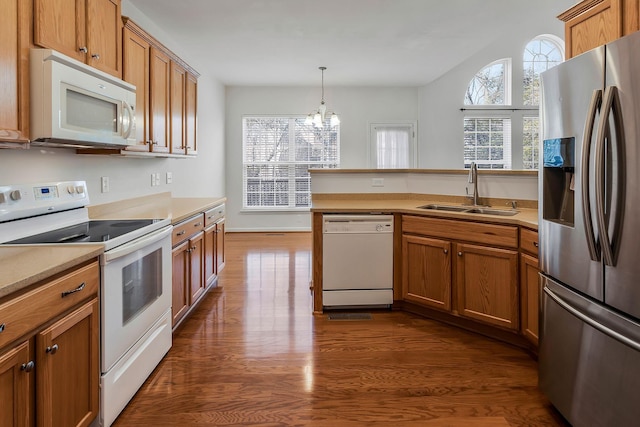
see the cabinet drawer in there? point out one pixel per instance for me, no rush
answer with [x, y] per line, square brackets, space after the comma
[187, 228]
[529, 241]
[32, 309]
[478, 232]
[213, 215]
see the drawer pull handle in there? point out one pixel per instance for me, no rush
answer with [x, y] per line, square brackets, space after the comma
[53, 349]
[27, 367]
[211, 216]
[73, 291]
[180, 233]
[535, 244]
[2, 326]
[197, 224]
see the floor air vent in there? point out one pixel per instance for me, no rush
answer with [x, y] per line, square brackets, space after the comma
[349, 316]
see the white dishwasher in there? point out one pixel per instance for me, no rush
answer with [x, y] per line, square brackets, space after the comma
[357, 260]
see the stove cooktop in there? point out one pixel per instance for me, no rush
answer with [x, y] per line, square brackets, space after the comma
[88, 232]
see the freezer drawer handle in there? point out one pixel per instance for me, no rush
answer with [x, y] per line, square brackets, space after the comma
[589, 321]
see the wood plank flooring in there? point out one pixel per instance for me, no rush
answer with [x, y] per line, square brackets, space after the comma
[253, 354]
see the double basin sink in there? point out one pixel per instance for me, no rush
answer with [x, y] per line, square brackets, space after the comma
[470, 209]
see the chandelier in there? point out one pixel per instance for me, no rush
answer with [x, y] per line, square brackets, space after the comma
[317, 117]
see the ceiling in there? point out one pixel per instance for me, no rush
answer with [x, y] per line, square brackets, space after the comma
[361, 42]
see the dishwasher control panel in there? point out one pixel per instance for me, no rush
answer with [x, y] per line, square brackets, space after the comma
[357, 224]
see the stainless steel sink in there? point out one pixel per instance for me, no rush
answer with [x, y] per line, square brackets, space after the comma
[470, 209]
[445, 208]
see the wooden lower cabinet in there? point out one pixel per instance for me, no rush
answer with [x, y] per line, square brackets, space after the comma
[16, 382]
[67, 369]
[530, 287]
[188, 275]
[196, 267]
[220, 251]
[487, 284]
[426, 271]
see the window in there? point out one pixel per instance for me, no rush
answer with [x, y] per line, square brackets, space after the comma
[277, 153]
[530, 142]
[491, 85]
[487, 142]
[393, 146]
[540, 54]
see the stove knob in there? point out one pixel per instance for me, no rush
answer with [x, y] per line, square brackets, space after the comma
[80, 189]
[15, 195]
[2, 198]
[71, 189]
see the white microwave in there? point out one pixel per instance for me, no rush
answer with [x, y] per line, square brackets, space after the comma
[74, 105]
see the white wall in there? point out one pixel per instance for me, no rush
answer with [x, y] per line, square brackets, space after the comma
[199, 177]
[440, 141]
[357, 108]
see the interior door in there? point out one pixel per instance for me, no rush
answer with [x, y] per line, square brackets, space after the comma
[568, 92]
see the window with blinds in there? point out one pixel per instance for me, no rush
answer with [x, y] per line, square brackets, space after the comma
[487, 142]
[277, 155]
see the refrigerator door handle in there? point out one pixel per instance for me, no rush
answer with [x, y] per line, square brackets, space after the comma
[610, 104]
[596, 101]
[591, 322]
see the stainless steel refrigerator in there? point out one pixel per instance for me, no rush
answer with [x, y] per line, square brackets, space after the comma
[589, 226]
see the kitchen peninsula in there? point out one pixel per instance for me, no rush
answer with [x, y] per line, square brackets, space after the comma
[473, 269]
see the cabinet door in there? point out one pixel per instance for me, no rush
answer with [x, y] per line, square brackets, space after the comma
[16, 381]
[426, 271]
[68, 369]
[191, 114]
[220, 255]
[135, 69]
[210, 254]
[487, 284]
[593, 27]
[177, 100]
[14, 50]
[159, 71]
[530, 296]
[60, 25]
[196, 267]
[104, 36]
[180, 281]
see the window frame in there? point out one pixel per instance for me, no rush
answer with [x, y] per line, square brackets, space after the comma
[291, 163]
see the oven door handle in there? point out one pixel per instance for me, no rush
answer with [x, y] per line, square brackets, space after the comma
[137, 244]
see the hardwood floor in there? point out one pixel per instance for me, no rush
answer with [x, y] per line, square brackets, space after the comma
[253, 354]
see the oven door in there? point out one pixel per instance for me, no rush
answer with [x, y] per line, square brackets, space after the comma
[136, 292]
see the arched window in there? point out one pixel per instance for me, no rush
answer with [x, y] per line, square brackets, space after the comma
[540, 54]
[491, 85]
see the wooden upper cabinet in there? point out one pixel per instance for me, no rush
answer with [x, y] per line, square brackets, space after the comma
[592, 23]
[14, 83]
[159, 71]
[136, 53]
[191, 114]
[87, 30]
[177, 96]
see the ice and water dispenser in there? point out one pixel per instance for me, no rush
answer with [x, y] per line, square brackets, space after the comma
[558, 180]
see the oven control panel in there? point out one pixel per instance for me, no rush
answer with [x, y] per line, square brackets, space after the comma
[25, 200]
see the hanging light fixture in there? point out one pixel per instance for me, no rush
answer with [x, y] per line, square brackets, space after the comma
[317, 117]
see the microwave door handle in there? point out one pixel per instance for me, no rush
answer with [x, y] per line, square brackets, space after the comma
[596, 101]
[132, 118]
[610, 97]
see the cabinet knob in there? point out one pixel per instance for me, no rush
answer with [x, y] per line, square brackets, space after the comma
[27, 367]
[446, 251]
[193, 248]
[52, 350]
[535, 244]
[459, 253]
[96, 56]
[83, 49]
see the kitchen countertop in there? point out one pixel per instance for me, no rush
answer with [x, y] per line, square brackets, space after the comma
[23, 266]
[527, 217]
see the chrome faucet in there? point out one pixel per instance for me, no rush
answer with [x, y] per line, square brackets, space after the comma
[473, 179]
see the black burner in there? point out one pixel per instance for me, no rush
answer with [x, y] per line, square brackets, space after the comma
[91, 231]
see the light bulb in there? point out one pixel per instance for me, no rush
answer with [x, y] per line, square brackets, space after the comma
[335, 121]
[309, 120]
[317, 120]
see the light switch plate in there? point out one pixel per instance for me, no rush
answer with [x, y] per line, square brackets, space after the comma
[104, 184]
[169, 177]
[377, 182]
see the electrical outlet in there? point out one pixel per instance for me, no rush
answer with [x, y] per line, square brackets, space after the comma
[377, 182]
[104, 184]
[169, 177]
[153, 179]
[157, 178]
